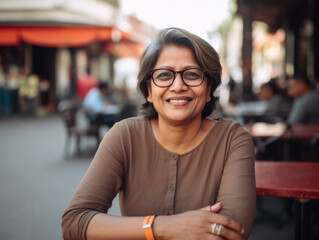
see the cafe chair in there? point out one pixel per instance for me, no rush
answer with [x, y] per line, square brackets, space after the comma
[261, 145]
[128, 110]
[69, 110]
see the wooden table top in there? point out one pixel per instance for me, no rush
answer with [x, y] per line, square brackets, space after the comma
[298, 131]
[287, 179]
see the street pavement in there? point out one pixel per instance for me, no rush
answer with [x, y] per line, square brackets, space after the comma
[37, 182]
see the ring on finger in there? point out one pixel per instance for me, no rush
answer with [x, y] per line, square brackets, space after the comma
[216, 228]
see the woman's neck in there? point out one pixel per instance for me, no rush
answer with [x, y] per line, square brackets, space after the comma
[181, 138]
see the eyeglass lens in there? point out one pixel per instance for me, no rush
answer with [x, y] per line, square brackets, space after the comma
[165, 77]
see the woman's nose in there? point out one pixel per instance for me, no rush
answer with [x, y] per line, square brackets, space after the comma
[178, 84]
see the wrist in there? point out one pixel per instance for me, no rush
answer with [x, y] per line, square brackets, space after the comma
[148, 227]
[159, 228]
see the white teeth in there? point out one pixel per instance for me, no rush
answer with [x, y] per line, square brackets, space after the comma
[177, 101]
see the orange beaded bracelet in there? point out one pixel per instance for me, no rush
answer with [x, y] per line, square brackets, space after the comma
[147, 226]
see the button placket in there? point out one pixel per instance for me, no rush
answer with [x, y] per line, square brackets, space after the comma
[172, 183]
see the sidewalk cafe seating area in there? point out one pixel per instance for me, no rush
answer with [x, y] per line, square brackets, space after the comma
[93, 123]
[287, 167]
[69, 110]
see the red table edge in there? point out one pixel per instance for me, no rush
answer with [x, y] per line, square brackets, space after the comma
[285, 192]
[262, 191]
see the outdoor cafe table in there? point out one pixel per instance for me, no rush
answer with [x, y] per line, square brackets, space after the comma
[296, 131]
[107, 116]
[265, 133]
[299, 180]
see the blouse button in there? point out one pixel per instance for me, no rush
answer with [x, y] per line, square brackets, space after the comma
[175, 157]
[171, 187]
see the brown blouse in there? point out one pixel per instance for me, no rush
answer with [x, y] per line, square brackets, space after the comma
[153, 181]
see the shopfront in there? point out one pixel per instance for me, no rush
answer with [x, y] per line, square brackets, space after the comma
[58, 56]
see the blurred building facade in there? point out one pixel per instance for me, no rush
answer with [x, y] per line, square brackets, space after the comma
[275, 38]
[59, 40]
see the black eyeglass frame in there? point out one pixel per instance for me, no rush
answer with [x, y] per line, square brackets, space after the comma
[181, 73]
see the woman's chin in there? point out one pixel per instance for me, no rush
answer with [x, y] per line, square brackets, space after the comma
[179, 117]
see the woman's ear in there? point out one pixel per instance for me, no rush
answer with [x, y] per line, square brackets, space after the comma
[149, 97]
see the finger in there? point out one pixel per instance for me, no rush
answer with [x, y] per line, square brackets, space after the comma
[207, 208]
[227, 222]
[227, 233]
[216, 207]
[213, 237]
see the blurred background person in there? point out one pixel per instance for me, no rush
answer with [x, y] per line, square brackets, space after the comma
[304, 111]
[45, 98]
[12, 77]
[9, 88]
[28, 92]
[97, 98]
[84, 84]
[235, 91]
[306, 101]
[278, 104]
[99, 105]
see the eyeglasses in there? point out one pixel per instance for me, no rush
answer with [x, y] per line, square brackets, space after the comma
[191, 77]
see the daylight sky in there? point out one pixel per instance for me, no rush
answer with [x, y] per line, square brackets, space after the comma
[197, 16]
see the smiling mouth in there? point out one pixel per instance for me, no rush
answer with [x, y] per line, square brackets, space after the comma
[178, 101]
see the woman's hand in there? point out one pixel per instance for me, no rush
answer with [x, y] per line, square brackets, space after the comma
[230, 228]
[197, 225]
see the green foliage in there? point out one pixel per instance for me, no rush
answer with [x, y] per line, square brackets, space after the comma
[226, 25]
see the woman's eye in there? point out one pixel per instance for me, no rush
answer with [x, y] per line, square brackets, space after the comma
[191, 75]
[164, 75]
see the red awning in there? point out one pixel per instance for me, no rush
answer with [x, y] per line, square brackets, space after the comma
[8, 37]
[55, 36]
[125, 49]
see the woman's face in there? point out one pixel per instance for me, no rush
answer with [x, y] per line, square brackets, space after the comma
[178, 102]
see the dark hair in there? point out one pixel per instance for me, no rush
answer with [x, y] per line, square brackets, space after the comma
[205, 55]
[103, 85]
[272, 83]
[301, 77]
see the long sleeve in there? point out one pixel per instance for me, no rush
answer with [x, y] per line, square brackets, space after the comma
[98, 188]
[237, 191]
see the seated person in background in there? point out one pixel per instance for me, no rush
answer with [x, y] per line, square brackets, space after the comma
[96, 98]
[306, 101]
[84, 84]
[278, 105]
[98, 101]
[303, 111]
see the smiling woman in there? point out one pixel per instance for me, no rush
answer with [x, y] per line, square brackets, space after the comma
[179, 174]
[196, 53]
